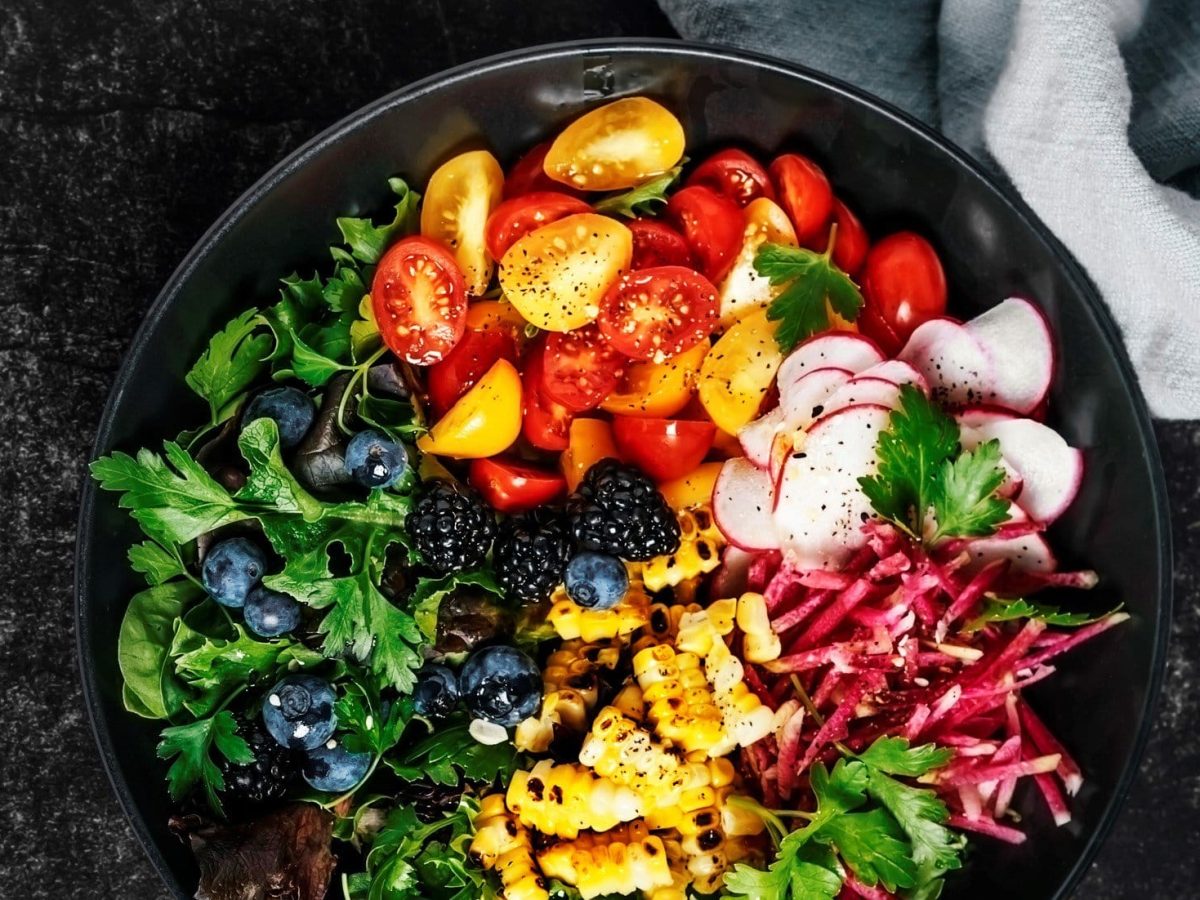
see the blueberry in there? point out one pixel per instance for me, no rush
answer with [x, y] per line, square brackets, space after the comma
[374, 460]
[500, 684]
[436, 693]
[269, 613]
[231, 568]
[331, 767]
[291, 409]
[596, 580]
[298, 712]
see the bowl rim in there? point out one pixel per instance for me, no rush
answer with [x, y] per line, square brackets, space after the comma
[336, 132]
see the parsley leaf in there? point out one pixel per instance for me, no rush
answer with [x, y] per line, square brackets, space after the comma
[311, 366]
[155, 563]
[1001, 610]
[642, 200]
[895, 757]
[450, 755]
[809, 872]
[190, 747]
[964, 500]
[920, 814]
[873, 846]
[366, 240]
[813, 287]
[236, 355]
[372, 725]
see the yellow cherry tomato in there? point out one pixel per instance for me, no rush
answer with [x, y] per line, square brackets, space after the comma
[485, 421]
[485, 315]
[616, 146]
[460, 196]
[556, 276]
[738, 371]
[657, 390]
[588, 442]
[693, 489]
[743, 289]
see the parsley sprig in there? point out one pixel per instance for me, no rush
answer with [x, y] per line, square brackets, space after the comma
[924, 471]
[643, 200]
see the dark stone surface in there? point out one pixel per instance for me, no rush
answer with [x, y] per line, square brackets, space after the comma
[126, 127]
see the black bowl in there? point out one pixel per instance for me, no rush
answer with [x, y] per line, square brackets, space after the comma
[889, 167]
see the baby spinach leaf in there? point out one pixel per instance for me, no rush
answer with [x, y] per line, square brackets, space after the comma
[143, 649]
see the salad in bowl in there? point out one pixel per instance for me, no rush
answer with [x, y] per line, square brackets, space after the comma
[617, 525]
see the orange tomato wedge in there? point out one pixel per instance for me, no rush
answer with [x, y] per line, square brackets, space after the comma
[743, 289]
[693, 489]
[657, 390]
[738, 371]
[588, 442]
[485, 421]
[460, 196]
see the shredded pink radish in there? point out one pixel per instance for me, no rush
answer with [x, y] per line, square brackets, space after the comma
[988, 827]
[862, 890]
[1054, 798]
[1046, 743]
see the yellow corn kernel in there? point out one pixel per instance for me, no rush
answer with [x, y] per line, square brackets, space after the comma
[745, 717]
[622, 750]
[573, 621]
[735, 820]
[679, 701]
[500, 842]
[619, 861]
[700, 629]
[760, 643]
[520, 878]
[630, 702]
[564, 800]
[700, 543]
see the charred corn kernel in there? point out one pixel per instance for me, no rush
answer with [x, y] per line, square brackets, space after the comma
[679, 702]
[700, 543]
[620, 749]
[520, 878]
[663, 624]
[630, 702]
[564, 800]
[760, 643]
[699, 630]
[620, 861]
[744, 716]
[501, 843]
[681, 878]
[571, 692]
[573, 621]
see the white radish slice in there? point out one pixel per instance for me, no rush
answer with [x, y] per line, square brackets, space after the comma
[836, 349]
[1050, 469]
[976, 416]
[953, 362]
[1027, 553]
[862, 390]
[896, 371]
[1015, 336]
[803, 400]
[820, 506]
[743, 498]
[1013, 482]
[757, 437]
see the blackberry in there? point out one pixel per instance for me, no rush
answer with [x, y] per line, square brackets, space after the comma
[451, 527]
[531, 553]
[618, 510]
[267, 778]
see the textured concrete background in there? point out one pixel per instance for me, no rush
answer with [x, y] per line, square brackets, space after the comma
[126, 127]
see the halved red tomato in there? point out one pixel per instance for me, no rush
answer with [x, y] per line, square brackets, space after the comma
[658, 244]
[658, 313]
[851, 243]
[419, 299]
[470, 359]
[528, 175]
[805, 194]
[510, 485]
[545, 423]
[580, 368]
[515, 218]
[736, 174]
[711, 224]
[903, 286]
[663, 448]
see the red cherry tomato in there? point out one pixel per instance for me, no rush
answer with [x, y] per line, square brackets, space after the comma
[419, 299]
[804, 193]
[466, 364]
[736, 174]
[851, 243]
[509, 485]
[516, 217]
[657, 313]
[711, 224]
[658, 244]
[663, 448]
[528, 175]
[580, 368]
[903, 286]
[544, 423]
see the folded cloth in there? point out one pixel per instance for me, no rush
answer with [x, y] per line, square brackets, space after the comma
[1091, 108]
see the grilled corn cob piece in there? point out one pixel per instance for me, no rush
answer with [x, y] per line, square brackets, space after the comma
[700, 543]
[573, 621]
[700, 629]
[760, 643]
[620, 749]
[501, 843]
[678, 698]
[663, 625]
[571, 692]
[564, 800]
[626, 859]
[631, 702]
[745, 717]
[681, 878]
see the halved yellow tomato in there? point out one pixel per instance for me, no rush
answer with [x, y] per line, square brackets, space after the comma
[616, 146]
[693, 489]
[485, 421]
[657, 390]
[588, 442]
[458, 200]
[485, 315]
[744, 289]
[557, 275]
[738, 371]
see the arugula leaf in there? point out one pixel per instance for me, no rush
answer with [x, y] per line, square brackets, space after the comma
[155, 563]
[812, 287]
[1001, 610]
[366, 240]
[234, 358]
[964, 495]
[894, 756]
[190, 746]
[450, 755]
[642, 200]
[151, 689]
[427, 596]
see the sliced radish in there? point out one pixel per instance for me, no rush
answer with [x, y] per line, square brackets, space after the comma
[984, 414]
[729, 580]
[861, 391]
[1027, 553]
[820, 506]
[757, 437]
[1013, 482]
[1015, 335]
[896, 371]
[1050, 470]
[954, 363]
[804, 399]
[743, 498]
[835, 349]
